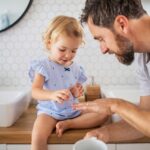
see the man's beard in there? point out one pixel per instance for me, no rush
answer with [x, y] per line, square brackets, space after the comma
[126, 48]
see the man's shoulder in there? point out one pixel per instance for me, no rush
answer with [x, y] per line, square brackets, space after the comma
[141, 58]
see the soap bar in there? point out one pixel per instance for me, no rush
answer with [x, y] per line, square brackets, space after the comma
[92, 92]
[91, 98]
[93, 89]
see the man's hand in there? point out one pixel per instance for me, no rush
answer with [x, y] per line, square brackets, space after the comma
[100, 133]
[77, 90]
[98, 106]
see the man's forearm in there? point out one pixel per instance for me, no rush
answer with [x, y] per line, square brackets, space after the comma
[135, 116]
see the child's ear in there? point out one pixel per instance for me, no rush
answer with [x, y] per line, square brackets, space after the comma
[49, 44]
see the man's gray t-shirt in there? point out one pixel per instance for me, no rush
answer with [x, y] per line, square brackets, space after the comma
[143, 73]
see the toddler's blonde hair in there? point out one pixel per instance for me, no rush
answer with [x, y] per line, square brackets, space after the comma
[62, 25]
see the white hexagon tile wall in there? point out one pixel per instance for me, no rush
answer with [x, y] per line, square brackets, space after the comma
[23, 42]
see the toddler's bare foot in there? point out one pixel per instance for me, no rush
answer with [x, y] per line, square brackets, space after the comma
[61, 126]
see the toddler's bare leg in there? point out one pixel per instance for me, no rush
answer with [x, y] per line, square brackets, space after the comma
[43, 127]
[86, 120]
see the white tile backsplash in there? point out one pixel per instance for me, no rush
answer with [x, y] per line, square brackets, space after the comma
[23, 42]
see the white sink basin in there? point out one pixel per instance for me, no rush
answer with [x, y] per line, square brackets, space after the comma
[128, 94]
[131, 95]
[12, 104]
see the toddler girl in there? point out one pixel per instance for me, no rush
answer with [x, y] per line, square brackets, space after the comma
[57, 82]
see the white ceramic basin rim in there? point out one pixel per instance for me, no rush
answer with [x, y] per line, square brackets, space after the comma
[12, 104]
[130, 94]
[8, 97]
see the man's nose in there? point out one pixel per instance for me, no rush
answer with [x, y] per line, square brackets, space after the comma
[104, 48]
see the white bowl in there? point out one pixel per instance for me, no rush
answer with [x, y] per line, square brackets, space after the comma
[12, 104]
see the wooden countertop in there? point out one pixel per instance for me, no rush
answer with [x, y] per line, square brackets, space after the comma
[20, 132]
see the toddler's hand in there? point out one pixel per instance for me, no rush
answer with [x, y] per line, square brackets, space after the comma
[61, 95]
[77, 90]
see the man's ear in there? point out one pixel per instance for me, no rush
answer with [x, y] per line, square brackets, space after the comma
[121, 24]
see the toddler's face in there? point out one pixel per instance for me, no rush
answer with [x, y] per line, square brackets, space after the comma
[64, 49]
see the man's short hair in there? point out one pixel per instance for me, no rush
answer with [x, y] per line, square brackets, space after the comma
[104, 12]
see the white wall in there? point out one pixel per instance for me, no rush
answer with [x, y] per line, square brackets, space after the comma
[23, 42]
